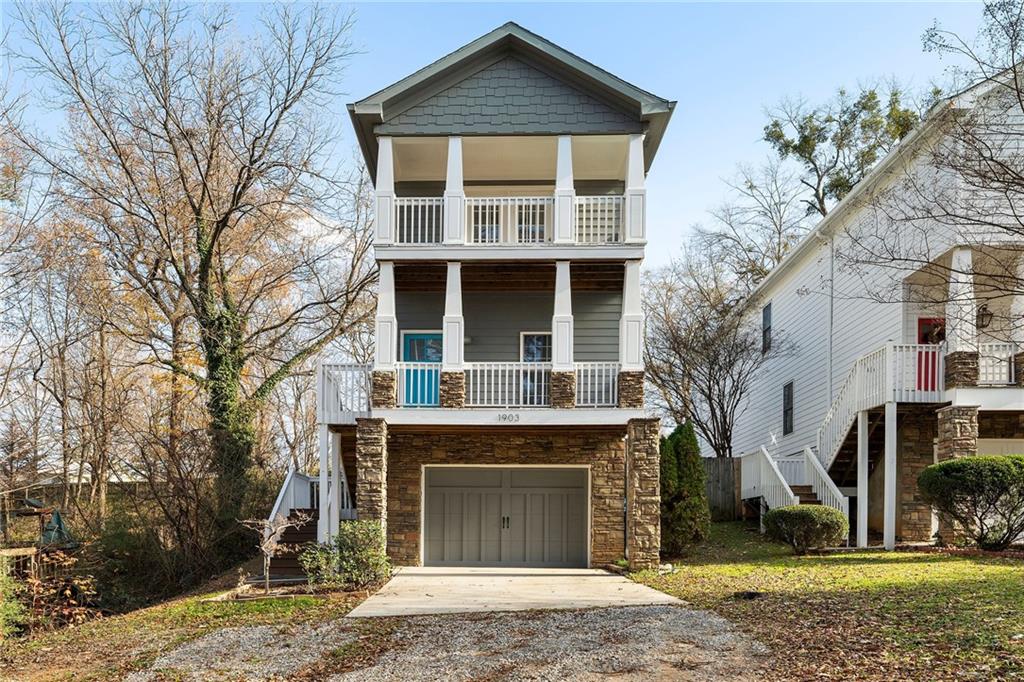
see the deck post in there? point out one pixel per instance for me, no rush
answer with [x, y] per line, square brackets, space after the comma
[889, 527]
[384, 224]
[454, 195]
[634, 219]
[336, 486]
[322, 527]
[565, 192]
[862, 478]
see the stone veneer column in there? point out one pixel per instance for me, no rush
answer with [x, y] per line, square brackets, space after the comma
[643, 497]
[961, 369]
[958, 431]
[382, 390]
[452, 391]
[372, 471]
[563, 389]
[631, 389]
[918, 428]
[1018, 369]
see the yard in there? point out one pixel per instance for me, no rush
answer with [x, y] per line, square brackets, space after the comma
[861, 615]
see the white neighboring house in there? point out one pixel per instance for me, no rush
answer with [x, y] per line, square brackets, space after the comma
[872, 388]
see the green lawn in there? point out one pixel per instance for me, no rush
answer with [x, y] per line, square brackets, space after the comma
[861, 615]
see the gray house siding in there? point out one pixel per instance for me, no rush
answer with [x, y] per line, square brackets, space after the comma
[494, 321]
[510, 97]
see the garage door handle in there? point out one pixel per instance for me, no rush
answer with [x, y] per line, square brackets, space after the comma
[504, 522]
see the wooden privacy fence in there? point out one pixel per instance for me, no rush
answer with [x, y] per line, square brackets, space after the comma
[722, 483]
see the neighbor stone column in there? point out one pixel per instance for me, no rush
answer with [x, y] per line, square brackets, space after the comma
[372, 471]
[918, 429]
[643, 500]
[563, 389]
[452, 391]
[631, 389]
[382, 390]
[961, 369]
[958, 437]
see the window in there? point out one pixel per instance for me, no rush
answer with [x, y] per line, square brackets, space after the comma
[787, 409]
[766, 328]
[535, 347]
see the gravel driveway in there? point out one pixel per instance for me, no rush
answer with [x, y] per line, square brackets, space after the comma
[632, 643]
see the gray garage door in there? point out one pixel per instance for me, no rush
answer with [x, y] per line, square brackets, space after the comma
[496, 516]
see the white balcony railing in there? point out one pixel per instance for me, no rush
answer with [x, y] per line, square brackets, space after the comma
[509, 220]
[995, 364]
[508, 384]
[419, 220]
[343, 392]
[419, 384]
[597, 384]
[599, 219]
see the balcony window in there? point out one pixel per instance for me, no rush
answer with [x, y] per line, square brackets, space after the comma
[535, 346]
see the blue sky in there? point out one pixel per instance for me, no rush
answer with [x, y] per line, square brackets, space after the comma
[723, 63]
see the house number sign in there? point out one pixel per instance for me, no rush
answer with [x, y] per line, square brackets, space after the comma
[508, 417]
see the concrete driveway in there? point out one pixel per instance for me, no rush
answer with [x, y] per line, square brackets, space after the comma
[419, 591]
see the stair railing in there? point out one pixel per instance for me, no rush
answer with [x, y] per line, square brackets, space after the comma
[772, 486]
[865, 387]
[822, 485]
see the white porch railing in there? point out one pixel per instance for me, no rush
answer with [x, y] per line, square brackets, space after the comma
[508, 384]
[343, 392]
[760, 477]
[598, 219]
[597, 384]
[995, 364]
[792, 470]
[419, 384]
[299, 491]
[419, 220]
[822, 485]
[509, 220]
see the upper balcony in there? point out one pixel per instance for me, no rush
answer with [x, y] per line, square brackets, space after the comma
[503, 196]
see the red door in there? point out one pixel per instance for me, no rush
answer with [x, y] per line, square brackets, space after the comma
[930, 331]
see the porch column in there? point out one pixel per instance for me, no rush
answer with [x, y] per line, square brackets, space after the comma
[563, 371]
[385, 352]
[1017, 326]
[636, 195]
[862, 478]
[336, 487]
[565, 192]
[322, 522]
[631, 340]
[372, 471]
[961, 325]
[453, 380]
[383, 232]
[889, 524]
[454, 195]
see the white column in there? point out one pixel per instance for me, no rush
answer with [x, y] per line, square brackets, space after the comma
[386, 324]
[889, 524]
[454, 195]
[385, 205]
[453, 326]
[561, 322]
[961, 306]
[322, 522]
[862, 478]
[636, 194]
[565, 192]
[631, 326]
[335, 483]
[1017, 309]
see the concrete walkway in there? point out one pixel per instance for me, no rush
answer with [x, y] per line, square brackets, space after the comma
[419, 591]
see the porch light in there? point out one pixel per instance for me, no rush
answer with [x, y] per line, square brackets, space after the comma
[984, 316]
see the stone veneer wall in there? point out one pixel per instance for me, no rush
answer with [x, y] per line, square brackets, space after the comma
[961, 369]
[372, 470]
[452, 391]
[563, 389]
[603, 449]
[1018, 369]
[958, 431]
[383, 389]
[631, 390]
[918, 426]
[643, 494]
[1008, 424]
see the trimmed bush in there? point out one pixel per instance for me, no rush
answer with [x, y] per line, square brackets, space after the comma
[685, 517]
[355, 559]
[984, 495]
[805, 527]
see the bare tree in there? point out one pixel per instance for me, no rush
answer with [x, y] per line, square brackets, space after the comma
[269, 532]
[200, 164]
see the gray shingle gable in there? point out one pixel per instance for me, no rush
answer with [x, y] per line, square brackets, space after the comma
[510, 97]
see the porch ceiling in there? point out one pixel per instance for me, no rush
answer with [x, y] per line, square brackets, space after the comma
[509, 276]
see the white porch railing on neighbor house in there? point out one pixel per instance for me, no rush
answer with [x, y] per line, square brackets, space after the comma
[509, 220]
[792, 470]
[823, 485]
[760, 477]
[419, 220]
[299, 491]
[508, 384]
[419, 384]
[995, 364]
[598, 219]
[597, 384]
[343, 392]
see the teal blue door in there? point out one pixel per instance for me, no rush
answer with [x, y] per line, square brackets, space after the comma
[421, 383]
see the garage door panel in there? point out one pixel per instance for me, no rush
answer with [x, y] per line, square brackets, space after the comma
[490, 550]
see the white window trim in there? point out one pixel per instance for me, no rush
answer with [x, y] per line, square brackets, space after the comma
[522, 337]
